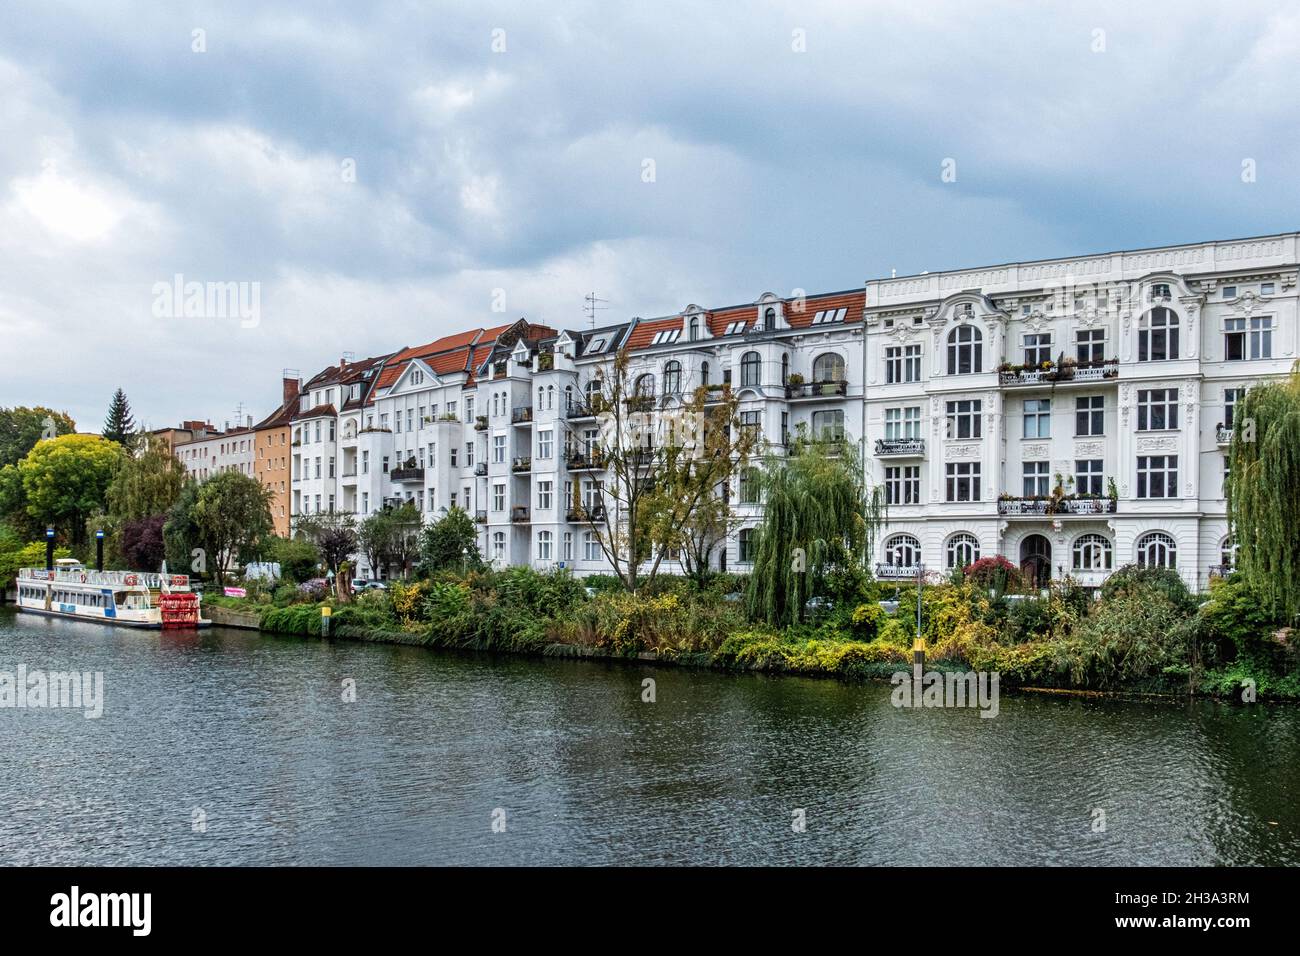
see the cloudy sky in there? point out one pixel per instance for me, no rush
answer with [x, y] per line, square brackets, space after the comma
[381, 170]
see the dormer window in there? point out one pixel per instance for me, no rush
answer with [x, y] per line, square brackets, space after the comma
[417, 377]
[693, 328]
[965, 311]
[1159, 291]
[665, 336]
[735, 328]
[769, 319]
[829, 315]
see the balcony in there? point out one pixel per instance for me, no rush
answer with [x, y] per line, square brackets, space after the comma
[581, 514]
[900, 447]
[1223, 435]
[521, 464]
[480, 470]
[519, 514]
[409, 473]
[1220, 570]
[640, 403]
[816, 390]
[894, 572]
[1050, 373]
[480, 517]
[522, 415]
[716, 394]
[588, 409]
[584, 460]
[1055, 507]
[480, 423]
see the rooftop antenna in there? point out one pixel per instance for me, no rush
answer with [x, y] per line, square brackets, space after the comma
[593, 306]
[349, 356]
[239, 414]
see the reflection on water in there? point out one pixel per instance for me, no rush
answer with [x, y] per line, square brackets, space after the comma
[253, 732]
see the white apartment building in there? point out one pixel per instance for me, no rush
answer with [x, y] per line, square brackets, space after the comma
[1072, 415]
[210, 453]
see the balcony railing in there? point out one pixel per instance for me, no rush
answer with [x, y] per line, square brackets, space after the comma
[715, 394]
[1223, 434]
[1220, 570]
[895, 571]
[585, 409]
[480, 470]
[480, 423]
[900, 447]
[522, 464]
[1035, 507]
[521, 415]
[817, 390]
[594, 513]
[480, 517]
[349, 473]
[519, 514]
[578, 460]
[415, 473]
[1050, 373]
[640, 403]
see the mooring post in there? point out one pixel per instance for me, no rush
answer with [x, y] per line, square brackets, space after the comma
[325, 621]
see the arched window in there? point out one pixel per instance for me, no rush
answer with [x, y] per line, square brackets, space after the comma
[693, 329]
[1158, 335]
[965, 351]
[1092, 552]
[672, 377]
[769, 319]
[828, 367]
[1228, 553]
[550, 397]
[903, 551]
[704, 373]
[751, 369]
[541, 398]
[545, 539]
[592, 389]
[645, 386]
[568, 398]
[963, 550]
[1155, 549]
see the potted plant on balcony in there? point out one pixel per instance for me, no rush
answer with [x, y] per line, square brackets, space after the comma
[545, 361]
[1112, 492]
[794, 380]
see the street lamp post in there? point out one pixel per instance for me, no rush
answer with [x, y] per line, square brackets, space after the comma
[918, 647]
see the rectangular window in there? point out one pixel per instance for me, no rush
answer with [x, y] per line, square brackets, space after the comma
[1157, 476]
[964, 418]
[1090, 345]
[1087, 476]
[567, 553]
[590, 546]
[453, 453]
[828, 425]
[1231, 396]
[545, 443]
[469, 454]
[1038, 348]
[1157, 409]
[545, 494]
[752, 423]
[963, 481]
[1036, 479]
[1038, 418]
[902, 364]
[1089, 415]
[903, 485]
[498, 449]
[903, 423]
[1248, 338]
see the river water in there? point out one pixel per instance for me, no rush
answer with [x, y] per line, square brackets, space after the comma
[230, 747]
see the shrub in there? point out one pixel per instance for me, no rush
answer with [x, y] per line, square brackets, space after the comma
[995, 573]
[1130, 636]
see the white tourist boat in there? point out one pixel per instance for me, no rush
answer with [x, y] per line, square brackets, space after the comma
[129, 598]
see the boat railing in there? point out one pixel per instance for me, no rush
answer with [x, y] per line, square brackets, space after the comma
[116, 579]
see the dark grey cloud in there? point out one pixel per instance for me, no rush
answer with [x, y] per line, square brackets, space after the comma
[126, 158]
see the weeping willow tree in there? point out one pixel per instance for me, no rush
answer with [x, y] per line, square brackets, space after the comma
[1263, 491]
[818, 517]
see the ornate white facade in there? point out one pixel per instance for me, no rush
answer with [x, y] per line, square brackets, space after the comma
[1071, 415]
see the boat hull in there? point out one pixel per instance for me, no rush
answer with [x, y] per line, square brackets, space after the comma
[111, 621]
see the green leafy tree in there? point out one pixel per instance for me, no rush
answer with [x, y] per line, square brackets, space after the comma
[230, 515]
[21, 428]
[119, 426]
[66, 479]
[406, 536]
[1263, 491]
[181, 531]
[450, 543]
[148, 483]
[375, 539]
[819, 520]
[298, 558]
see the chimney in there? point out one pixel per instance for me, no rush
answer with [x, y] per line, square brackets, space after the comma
[248, 421]
[292, 387]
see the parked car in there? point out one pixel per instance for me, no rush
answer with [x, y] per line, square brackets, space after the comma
[376, 586]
